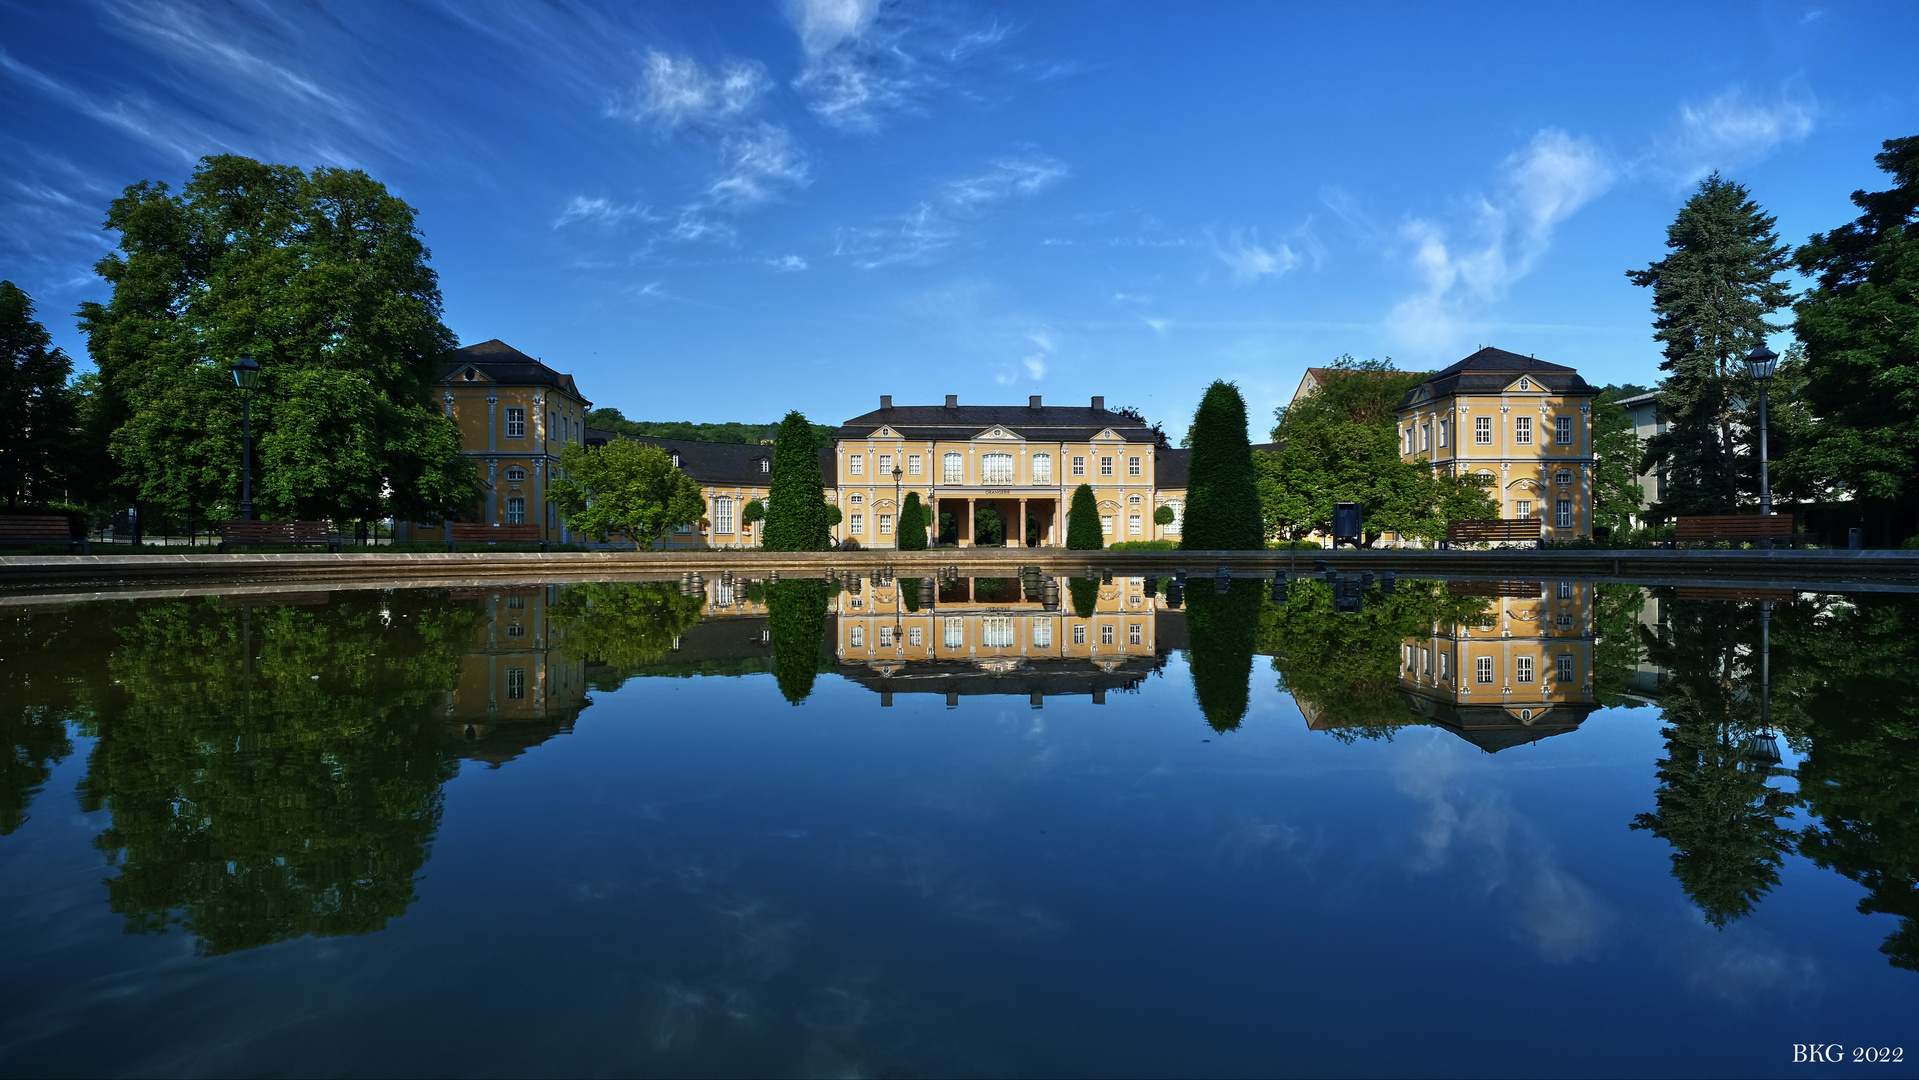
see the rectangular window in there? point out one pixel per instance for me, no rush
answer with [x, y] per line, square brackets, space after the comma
[912, 464]
[1483, 430]
[886, 524]
[1042, 468]
[1564, 672]
[856, 464]
[1079, 633]
[723, 515]
[996, 631]
[1425, 436]
[1105, 466]
[886, 637]
[1445, 429]
[955, 632]
[953, 467]
[996, 469]
[1523, 509]
[1565, 590]
[1406, 440]
[857, 636]
[1043, 633]
[1106, 634]
[516, 603]
[1483, 670]
[515, 423]
[1563, 430]
[515, 510]
[516, 682]
[1524, 672]
[886, 465]
[1079, 465]
[515, 629]
[1425, 660]
[1132, 466]
[1563, 513]
[857, 523]
[1135, 634]
[915, 637]
[1565, 622]
[1523, 430]
[1133, 525]
[1179, 513]
[1445, 666]
[1106, 524]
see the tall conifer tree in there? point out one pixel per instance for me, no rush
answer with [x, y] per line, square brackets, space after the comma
[36, 442]
[1082, 521]
[797, 517]
[1222, 494]
[1711, 295]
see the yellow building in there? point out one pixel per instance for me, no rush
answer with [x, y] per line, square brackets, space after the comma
[1520, 673]
[1024, 463]
[516, 689]
[993, 636]
[1523, 423]
[515, 415]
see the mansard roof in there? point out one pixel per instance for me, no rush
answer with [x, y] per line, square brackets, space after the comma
[508, 366]
[958, 423]
[1491, 371]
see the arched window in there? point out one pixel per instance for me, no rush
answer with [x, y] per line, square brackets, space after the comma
[515, 475]
[1134, 499]
[953, 470]
[1042, 468]
[996, 469]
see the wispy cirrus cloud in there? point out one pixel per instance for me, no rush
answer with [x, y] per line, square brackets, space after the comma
[1250, 260]
[1467, 265]
[1729, 131]
[866, 61]
[940, 222]
[603, 211]
[677, 91]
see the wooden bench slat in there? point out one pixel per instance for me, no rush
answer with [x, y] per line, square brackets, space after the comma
[1732, 526]
[1487, 530]
[277, 532]
[41, 529]
[478, 532]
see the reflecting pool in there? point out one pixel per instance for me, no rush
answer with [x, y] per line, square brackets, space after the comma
[961, 826]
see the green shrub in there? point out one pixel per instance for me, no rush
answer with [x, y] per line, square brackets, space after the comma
[1082, 523]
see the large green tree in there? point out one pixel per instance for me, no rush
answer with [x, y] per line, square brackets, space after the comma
[37, 441]
[797, 515]
[323, 278]
[1082, 521]
[1711, 295]
[1222, 492]
[1616, 493]
[624, 487]
[1341, 444]
[1860, 328]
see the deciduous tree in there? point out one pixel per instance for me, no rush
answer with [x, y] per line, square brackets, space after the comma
[624, 487]
[37, 441]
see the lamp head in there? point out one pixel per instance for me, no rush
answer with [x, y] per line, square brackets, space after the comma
[1761, 362]
[246, 373]
[897, 473]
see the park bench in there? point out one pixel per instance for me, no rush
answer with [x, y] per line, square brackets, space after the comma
[41, 529]
[293, 533]
[1733, 527]
[1493, 531]
[465, 532]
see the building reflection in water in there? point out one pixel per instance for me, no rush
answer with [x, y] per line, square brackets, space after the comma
[1520, 672]
[957, 636]
[517, 687]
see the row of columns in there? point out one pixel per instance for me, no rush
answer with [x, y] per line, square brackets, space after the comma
[968, 535]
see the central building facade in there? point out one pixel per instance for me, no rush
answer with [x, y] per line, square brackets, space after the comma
[1022, 462]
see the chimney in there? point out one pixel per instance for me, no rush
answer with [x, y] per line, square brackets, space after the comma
[952, 401]
[1033, 402]
[1099, 404]
[886, 401]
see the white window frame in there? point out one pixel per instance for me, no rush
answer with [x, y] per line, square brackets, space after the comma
[1042, 633]
[1135, 633]
[1563, 667]
[1563, 477]
[1522, 669]
[1179, 518]
[856, 637]
[1563, 514]
[1133, 466]
[515, 422]
[1133, 525]
[1445, 429]
[1522, 431]
[912, 464]
[886, 524]
[1106, 524]
[1523, 509]
[723, 514]
[886, 637]
[515, 475]
[1079, 464]
[1563, 430]
[856, 464]
[1445, 666]
[516, 683]
[856, 523]
[954, 632]
[1106, 633]
[953, 468]
[915, 637]
[998, 632]
[1482, 431]
[1483, 670]
[886, 465]
[1041, 466]
[516, 509]
[996, 469]
[1079, 633]
[1106, 464]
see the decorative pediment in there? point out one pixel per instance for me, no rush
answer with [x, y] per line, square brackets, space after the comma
[884, 433]
[1109, 433]
[1526, 384]
[997, 433]
[470, 374]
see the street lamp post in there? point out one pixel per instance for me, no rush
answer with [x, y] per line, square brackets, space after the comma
[1761, 363]
[246, 376]
[898, 514]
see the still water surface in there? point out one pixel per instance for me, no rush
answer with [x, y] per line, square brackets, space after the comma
[979, 827]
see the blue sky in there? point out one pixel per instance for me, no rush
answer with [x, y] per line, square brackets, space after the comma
[720, 211]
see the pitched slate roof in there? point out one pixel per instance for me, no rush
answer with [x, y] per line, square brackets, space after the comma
[720, 464]
[1048, 423]
[1171, 467]
[509, 366]
[1490, 371]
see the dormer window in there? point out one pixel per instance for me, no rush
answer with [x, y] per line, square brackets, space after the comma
[765, 466]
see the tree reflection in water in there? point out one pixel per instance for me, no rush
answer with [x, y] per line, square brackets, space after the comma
[1084, 593]
[796, 621]
[1222, 628]
[624, 624]
[276, 772]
